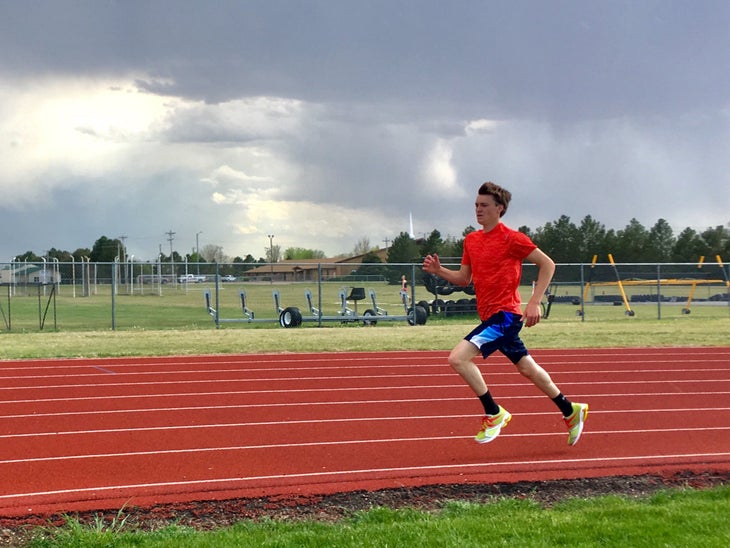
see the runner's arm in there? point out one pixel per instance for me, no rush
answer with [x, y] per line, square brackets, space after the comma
[461, 277]
[545, 271]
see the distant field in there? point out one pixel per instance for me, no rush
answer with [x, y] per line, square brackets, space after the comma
[183, 306]
[437, 334]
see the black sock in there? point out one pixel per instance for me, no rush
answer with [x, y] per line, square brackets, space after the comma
[563, 404]
[490, 407]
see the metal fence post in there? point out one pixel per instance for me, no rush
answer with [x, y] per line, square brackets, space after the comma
[582, 293]
[319, 294]
[659, 291]
[413, 292]
[113, 287]
[217, 298]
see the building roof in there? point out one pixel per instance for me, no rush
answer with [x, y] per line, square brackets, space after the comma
[293, 266]
[296, 265]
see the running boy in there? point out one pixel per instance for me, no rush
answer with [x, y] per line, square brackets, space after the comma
[492, 259]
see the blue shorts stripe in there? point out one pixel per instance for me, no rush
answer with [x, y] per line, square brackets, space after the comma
[499, 332]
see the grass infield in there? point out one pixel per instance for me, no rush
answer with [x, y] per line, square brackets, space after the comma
[435, 335]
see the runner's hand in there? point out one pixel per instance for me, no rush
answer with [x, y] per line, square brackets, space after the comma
[532, 314]
[432, 264]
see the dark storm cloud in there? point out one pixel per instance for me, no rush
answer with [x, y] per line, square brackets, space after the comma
[380, 108]
[498, 59]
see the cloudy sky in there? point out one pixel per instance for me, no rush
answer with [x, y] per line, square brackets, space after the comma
[325, 122]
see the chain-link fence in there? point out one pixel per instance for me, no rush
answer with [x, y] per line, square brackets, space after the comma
[91, 296]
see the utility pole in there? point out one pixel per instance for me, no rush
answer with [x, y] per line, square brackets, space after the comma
[170, 238]
[197, 249]
[122, 255]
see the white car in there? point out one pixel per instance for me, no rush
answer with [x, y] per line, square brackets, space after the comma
[191, 279]
[228, 278]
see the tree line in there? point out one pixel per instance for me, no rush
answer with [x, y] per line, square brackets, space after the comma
[568, 242]
[562, 239]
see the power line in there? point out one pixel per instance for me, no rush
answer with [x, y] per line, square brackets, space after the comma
[170, 238]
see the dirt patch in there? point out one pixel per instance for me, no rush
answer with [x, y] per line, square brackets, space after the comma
[212, 514]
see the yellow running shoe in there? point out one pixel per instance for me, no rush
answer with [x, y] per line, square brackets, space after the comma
[492, 425]
[575, 422]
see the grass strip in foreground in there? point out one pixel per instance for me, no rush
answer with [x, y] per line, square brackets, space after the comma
[677, 517]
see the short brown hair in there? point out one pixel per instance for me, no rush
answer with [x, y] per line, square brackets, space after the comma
[501, 196]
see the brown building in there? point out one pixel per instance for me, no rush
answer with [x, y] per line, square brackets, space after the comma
[306, 270]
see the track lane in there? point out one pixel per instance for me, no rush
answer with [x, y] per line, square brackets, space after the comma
[150, 432]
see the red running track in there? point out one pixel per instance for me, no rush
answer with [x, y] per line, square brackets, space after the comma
[92, 434]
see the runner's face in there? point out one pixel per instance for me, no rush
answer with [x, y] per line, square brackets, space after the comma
[487, 210]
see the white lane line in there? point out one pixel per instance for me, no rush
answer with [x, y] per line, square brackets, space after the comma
[370, 367]
[188, 382]
[440, 469]
[289, 423]
[194, 450]
[460, 387]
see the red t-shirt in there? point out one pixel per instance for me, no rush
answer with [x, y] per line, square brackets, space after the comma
[496, 259]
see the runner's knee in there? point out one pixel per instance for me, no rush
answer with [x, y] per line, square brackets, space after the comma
[460, 358]
[455, 361]
[528, 367]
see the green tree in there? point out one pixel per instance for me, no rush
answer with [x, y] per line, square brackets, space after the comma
[433, 244]
[372, 265]
[689, 246]
[593, 240]
[245, 264]
[404, 249]
[660, 242]
[457, 246]
[60, 256]
[716, 240]
[631, 243]
[526, 231]
[295, 253]
[104, 250]
[81, 253]
[195, 257]
[452, 247]
[611, 243]
[28, 257]
[64, 259]
[561, 240]
[79, 257]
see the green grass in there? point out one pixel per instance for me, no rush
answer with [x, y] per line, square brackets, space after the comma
[183, 307]
[669, 518]
[177, 323]
[437, 334]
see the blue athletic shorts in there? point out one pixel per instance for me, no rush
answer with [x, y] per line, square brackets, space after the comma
[500, 332]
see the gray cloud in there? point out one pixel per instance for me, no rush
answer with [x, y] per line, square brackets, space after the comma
[326, 122]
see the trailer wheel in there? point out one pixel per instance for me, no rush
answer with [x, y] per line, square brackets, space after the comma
[419, 314]
[437, 306]
[367, 317]
[290, 317]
